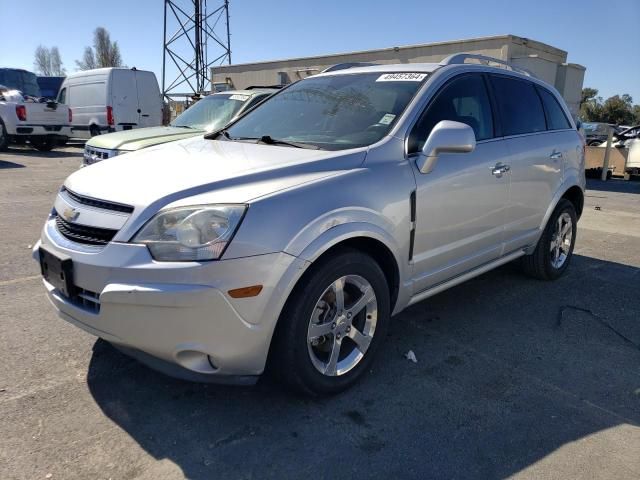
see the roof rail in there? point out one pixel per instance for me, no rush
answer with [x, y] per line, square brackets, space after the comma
[347, 65]
[460, 58]
[257, 87]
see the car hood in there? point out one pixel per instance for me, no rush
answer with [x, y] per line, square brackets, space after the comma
[141, 138]
[221, 171]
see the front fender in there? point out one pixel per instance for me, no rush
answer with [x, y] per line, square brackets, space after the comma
[334, 235]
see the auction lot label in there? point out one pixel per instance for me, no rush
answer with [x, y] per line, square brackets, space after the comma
[401, 77]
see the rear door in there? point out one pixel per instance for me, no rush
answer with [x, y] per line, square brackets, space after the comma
[124, 99]
[461, 204]
[535, 157]
[149, 101]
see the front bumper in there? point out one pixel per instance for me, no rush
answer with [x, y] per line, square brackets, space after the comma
[177, 317]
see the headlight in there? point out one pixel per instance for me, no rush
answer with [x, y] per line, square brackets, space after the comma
[191, 233]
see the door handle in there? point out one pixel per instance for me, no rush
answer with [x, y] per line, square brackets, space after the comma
[499, 169]
[555, 155]
[145, 115]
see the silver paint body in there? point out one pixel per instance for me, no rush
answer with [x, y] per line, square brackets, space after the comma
[302, 203]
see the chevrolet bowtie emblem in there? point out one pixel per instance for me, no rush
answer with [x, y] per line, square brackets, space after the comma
[70, 214]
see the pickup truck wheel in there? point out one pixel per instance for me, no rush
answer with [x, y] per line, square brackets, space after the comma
[555, 248]
[44, 144]
[4, 137]
[332, 325]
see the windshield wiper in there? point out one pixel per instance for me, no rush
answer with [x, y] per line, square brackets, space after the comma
[268, 140]
[216, 133]
[182, 126]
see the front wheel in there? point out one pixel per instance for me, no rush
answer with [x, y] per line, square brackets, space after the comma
[332, 325]
[555, 248]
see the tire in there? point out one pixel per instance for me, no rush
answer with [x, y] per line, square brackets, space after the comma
[551, 257]
[310, 327]
[4, 137]
[44, 144]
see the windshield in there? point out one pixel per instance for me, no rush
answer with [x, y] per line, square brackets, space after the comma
[212, 112]
[334, 112]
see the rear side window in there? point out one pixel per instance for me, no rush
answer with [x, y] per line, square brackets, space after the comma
[464, 99]
[62, 96]
[556, 119]
[519, 105]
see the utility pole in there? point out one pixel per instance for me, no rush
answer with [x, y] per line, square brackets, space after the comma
[191, 27]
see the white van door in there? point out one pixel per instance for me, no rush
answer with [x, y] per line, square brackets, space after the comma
[124, 99]
[149, 101]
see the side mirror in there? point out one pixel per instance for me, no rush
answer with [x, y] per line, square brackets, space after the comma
[446, 137]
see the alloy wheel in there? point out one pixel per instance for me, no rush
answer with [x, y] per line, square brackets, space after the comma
[342, 325]
[561, 240]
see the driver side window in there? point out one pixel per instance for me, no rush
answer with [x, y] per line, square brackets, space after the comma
[464, 99]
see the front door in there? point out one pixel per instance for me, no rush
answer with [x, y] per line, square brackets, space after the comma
[461, 204]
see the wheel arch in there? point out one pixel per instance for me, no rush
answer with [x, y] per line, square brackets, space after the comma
[576, 196]
[367, 238]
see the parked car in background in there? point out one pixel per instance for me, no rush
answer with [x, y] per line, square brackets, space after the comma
[26, 117]
[292, 235]
[111, 100]
[623, 138]
[595, 132]
[206, 115]
[50, 86]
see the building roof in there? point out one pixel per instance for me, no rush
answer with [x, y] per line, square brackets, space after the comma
[311, 59]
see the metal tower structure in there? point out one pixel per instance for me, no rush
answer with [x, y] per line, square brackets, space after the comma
[196, 37]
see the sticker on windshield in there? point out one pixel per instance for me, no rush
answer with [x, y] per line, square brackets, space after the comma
[387, 119]
[237, 96]
[401, 77]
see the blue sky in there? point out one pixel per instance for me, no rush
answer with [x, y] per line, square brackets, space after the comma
[603, 36]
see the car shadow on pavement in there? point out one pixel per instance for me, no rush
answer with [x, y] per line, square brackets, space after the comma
[509, 369]
[6, 165]
[614, 185]
[30, 152]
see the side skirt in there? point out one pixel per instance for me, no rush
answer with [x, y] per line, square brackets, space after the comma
[418, 297]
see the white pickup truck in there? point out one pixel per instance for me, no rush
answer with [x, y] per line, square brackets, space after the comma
[26, 117]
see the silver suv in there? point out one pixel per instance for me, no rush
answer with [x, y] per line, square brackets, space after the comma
[289, 239]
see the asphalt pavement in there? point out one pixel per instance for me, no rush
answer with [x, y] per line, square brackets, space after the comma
[514, 377]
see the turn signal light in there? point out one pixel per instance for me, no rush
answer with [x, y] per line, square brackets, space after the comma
[245, 292]
[21, 112]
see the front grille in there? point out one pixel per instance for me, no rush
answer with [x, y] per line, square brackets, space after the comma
[103, 204]
[98, 154]
[84, 234]
[87, 300]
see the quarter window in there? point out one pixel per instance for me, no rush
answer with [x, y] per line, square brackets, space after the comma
[556, 119]
[62, 96]
[519, 105]
[464, 99]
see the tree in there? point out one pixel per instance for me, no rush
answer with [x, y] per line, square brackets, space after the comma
[48, 62]
[618, 109]
[104, 53]
[88, 61]
[56, 63]
[588, 94]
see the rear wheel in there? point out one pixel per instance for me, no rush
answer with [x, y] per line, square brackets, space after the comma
[4, 137]
[332, 325]
[555, 248]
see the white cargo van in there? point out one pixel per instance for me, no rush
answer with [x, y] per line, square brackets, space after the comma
[111, 100]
